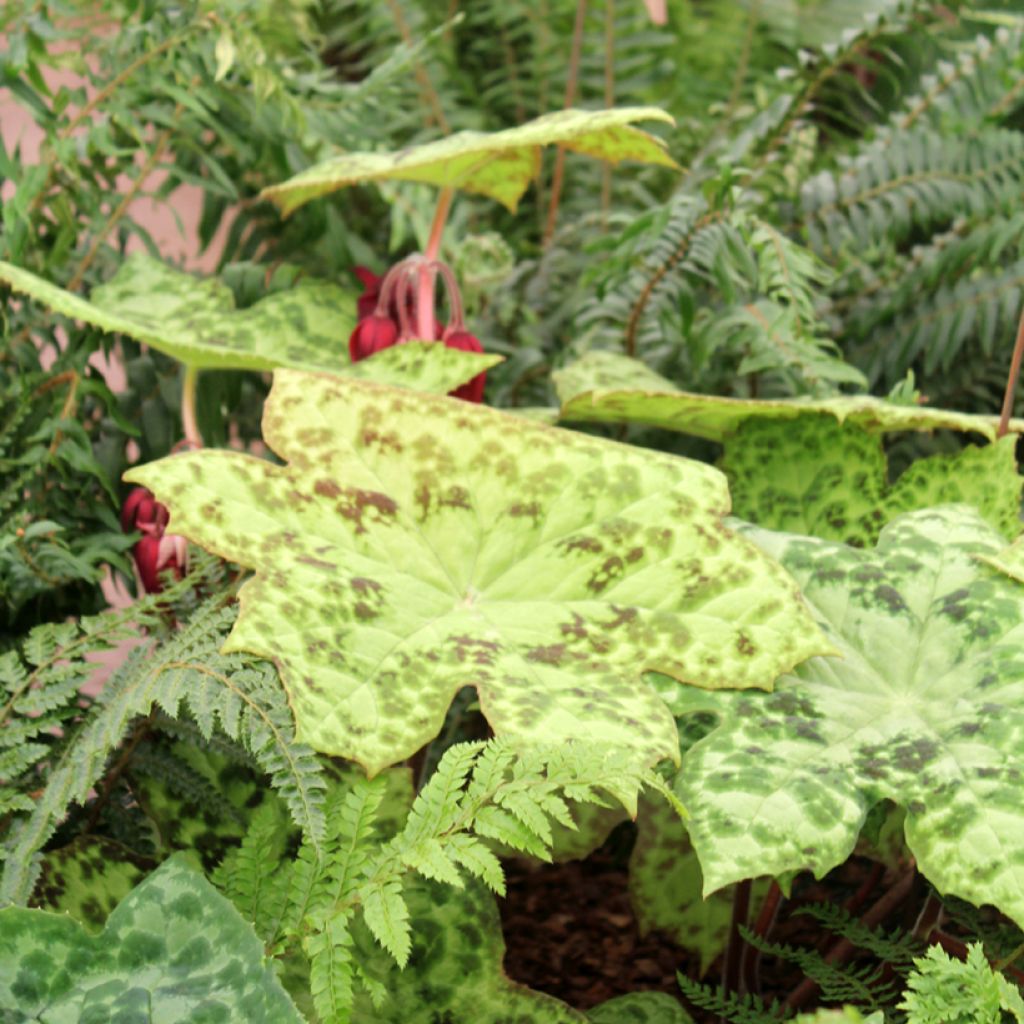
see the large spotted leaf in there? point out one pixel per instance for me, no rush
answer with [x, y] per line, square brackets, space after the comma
[605, 387]
[924, 707]
[809, 466]
[195, 321]
[499, 164]
[413, 545]
[173, 950]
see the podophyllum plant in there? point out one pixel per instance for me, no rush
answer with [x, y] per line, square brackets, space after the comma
[276, 809]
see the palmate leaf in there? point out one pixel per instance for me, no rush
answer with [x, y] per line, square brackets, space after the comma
[173, 949]
[499, 165]
[194, 321]
[924, 708]
[414, 545]
[804, 465]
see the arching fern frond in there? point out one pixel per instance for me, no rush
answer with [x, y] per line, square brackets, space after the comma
[919, 180]
[238, 695]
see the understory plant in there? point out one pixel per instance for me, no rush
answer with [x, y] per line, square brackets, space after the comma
[497, 513]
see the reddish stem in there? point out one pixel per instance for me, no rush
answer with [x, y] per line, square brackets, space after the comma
[732, 975]
[763, 926]
[425, 291]
[1011, 380]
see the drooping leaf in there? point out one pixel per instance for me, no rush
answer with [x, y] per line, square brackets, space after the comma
[173, 949]
[809, 466]
[589, 393]
[455, 968]
[499, 165]
[640, 1008]
[88, 878]
[194, 321]
[414, 545]
[923, 708]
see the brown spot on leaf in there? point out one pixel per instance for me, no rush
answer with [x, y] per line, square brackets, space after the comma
[359, 504]
[327, 488]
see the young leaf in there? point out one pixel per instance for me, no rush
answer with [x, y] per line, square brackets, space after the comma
[414, 545]
[173, 948]
[923, 708]
[499, 165]
[194, 320]
[387, 916]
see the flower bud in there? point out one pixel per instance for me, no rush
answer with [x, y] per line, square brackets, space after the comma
[471, 391]
[156, 555]
[141, 511]
[371, 282]
[372, 334]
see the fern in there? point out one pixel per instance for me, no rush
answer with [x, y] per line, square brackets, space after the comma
[240, 696]
[897, 948]
[734, 1009]
[943, 990]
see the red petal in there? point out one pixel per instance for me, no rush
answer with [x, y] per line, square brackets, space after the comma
[371, 335]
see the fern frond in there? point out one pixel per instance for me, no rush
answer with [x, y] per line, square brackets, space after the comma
[748, 1009]
[331, 969]
[919, 180]
[387, 917]
[896, 948]
[241, 696]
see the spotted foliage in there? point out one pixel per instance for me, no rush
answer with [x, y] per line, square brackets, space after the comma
[815, 476]
[500, 165]
[414, 545]
[923, 707]
[88, 878]
[640, 1008]
[194, 320]
[173, 949]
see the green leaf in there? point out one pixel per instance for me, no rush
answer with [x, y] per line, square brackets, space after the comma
[815, 476]
[88, 878]
[194, 321]
[499, 165]
[640, 1008]
[414, 545]
[386, 915]
[589, 393]
[174, 949]
[924, 708]
[455, 968]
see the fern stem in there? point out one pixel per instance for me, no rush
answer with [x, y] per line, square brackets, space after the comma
[1011, 380]
[570, 96]
[844, 948]
[676, 257]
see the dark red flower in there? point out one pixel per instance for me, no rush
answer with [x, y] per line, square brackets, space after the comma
[372, 334]
[371, 282]
[156, 555]
[156, 551]
[471, 391]
[141, 511]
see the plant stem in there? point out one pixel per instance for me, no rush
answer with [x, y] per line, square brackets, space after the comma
[609, 101]
[732, 974]
[844, 949]
[1011, 380]
[188, 408]
[425, 290]
[570, 95]
[751, 963]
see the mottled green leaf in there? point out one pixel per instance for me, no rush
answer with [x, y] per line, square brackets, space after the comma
[846, 1015]
[666, 886]
[814, 466]
[414, 545]
[589, 392]
[814, 476]
[455, 968]
[925, 708]
[173, 950]
[88, 878]
[194, 320]
[640, 1008]
[1010, 560]
[499, 164]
